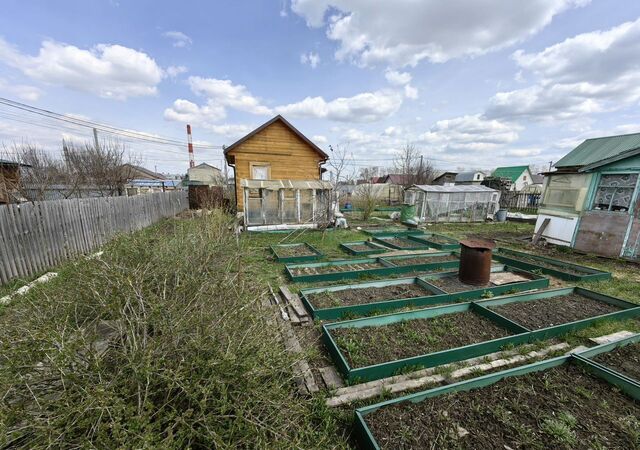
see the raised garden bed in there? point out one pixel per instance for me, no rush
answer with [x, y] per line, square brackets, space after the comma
[391, 231]
[438, 241]
[357, 268]
[362, 248]
[413, 260]
[368, 346]
[289, 253]
[563, 402]
[622, 356]
[552, 311]
[554, 267]
[522, 334]
[335, 302]
[401, 243]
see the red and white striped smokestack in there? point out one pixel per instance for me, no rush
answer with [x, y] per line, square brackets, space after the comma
[192, 162]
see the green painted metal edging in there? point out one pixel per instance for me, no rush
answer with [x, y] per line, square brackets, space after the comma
[439, 297]
[428, 239]
[510, 257]
[390, 232]
[415, 245]
[317, 254]
[603, 348]
[367, 440]
[373, 248]
[337, 312]
[387, 269]
[390, 368]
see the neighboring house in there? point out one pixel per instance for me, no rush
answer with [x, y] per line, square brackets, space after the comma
[144, 181]
[474, 177]
[277, 173]
[520, 176]
[592, 200]
[444, 179]
[10, 181]
[205, 174]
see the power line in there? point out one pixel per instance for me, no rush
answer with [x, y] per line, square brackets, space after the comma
[99, 126]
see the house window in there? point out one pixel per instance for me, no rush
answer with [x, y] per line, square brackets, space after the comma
[524, 178]
[615, 192]
[260, 171]
[477, 176]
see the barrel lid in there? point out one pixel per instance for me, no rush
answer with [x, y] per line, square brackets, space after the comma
[486, 244]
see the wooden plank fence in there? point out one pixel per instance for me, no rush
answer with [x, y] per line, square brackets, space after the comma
[37, 236]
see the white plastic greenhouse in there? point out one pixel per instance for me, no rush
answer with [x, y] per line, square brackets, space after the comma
[467, 203]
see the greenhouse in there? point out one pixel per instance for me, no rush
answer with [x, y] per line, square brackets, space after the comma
[273, 204]
[468, 203]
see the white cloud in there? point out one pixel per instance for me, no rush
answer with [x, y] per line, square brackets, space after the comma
[364, 107]
[319, 139]
[404, 32]
[470, 133]
[189, 112]
[22, 91]
[523, 152]
[225, 93]
[589, 73]
[312, 59]
[110, 71]
[410, 92]
[397, 78]
[179, 39]
[174, 71]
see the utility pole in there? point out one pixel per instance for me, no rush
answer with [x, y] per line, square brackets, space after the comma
[192, 162]
[550, 164]
[95, 138]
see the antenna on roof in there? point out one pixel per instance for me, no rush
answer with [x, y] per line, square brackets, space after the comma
[192, 162]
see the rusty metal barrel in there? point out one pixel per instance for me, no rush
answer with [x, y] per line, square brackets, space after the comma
[475, 261]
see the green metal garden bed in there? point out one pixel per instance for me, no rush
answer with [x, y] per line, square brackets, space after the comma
[561, 269]
[437, 296]
[373, 248]
[392, 231]
[367, 440]
[521, 334]
[409, 243]
[439, 241]
[357, 268]
[603, 348]
[277, 250]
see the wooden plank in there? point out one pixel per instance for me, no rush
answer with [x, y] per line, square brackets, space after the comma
[294, 301]
[541, 230]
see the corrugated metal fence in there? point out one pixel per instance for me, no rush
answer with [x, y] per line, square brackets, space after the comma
[40, 235]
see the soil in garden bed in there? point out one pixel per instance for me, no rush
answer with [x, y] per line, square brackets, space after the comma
[361, 247]
[536, 314]
[374, 345]
[625, 360]
[422, 260]
[546, 264]
[359, 296]
[294, 250]
[402, 243]
[441, 240]
[336, 268]
[564, 407]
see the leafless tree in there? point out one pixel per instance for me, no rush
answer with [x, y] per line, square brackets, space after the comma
[413, 167]
[341, 172]
[365, 194]
[41, 171]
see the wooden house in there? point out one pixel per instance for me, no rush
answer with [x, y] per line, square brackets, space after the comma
[592, 201]
[444, 179]
[278, 176]
[520, 176]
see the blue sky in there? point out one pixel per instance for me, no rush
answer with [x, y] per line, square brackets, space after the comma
[471, 83]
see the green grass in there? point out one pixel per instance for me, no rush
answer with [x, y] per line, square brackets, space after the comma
[194, 363]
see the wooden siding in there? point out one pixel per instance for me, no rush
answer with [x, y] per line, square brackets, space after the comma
[289, 157]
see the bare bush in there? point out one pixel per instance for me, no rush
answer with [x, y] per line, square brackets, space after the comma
[413, 167]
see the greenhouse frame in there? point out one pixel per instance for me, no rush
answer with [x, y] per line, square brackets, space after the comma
[467, 203]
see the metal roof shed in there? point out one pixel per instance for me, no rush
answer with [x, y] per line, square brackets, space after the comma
[468, 203]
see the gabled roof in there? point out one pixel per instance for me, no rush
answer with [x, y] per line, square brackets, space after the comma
[6, 162]
[467, 176]
[445, 174]
[146, 173]
[462, 188]
[206, 165]
[511, 172]
[599, 151]
[285, 123]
